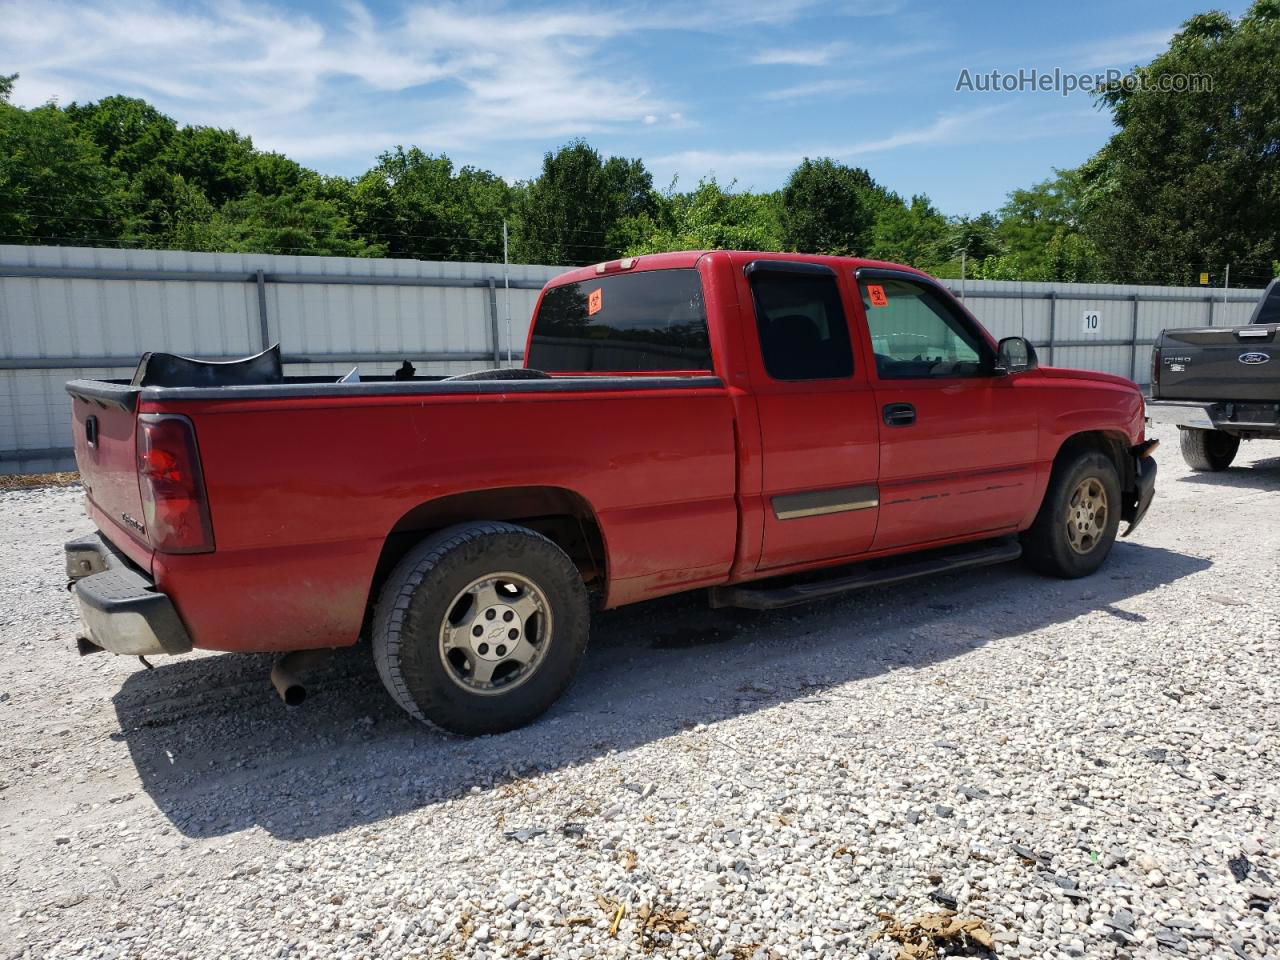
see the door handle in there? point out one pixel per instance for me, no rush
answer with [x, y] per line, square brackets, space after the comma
[899, 415]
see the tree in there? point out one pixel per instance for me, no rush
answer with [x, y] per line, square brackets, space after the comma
[417, 205]
[711, 217]
[54, 185]
[580, 208]
[1038, 236]
[131, 133]
[1193, 178]
[828, 207]
[6, 86]
[914, 234]
[289, 223]
[222, 163]
[1031, 217]
[975, 237]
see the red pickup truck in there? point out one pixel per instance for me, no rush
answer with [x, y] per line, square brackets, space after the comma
[774, 427]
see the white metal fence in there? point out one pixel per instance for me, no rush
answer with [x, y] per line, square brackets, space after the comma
[1099, 326]
[69, 312]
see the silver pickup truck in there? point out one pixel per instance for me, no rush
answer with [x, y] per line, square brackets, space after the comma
[1220, 385]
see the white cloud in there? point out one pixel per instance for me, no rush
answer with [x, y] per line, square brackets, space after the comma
[798, 56]
[950, 127]
[443, 76]
[834, 87]
[1123, 52]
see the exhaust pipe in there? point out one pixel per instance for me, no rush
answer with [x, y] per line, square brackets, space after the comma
[288, 670]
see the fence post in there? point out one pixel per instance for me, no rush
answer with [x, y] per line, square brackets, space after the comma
[1133, 342]
[264, 330]
[493, 323]
[1053, 324]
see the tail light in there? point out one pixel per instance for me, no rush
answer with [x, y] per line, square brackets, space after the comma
[172, 485]
[1155, 370]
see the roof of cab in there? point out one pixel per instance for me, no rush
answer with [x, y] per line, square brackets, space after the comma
[689, 258]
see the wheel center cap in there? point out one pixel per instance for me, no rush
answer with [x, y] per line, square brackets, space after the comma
[495, 631]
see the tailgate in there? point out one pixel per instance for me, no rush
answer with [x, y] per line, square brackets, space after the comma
[106, 456]
[1220, 363]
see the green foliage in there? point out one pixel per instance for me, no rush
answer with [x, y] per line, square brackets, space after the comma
[914, 234]
[284, 223]
[828, 207]
[710, 217]
[581, 208]
[416, 205]
[1193, 178]
[54, 185]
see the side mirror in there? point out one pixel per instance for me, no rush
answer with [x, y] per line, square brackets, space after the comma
[1014, 355]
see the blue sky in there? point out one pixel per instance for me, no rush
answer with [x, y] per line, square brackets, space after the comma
[742, 90]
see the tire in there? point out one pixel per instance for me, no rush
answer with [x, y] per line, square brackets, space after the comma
[1068, 539]
[497, 579]
[1207, 450]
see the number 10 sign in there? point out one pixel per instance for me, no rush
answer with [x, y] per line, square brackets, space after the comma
[1092, 321]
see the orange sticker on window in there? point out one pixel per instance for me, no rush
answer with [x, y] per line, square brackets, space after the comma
[876, 293]
[595, 300]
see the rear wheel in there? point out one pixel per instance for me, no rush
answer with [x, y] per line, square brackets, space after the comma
[1207, 450]
[480, 627]
[1078, 521]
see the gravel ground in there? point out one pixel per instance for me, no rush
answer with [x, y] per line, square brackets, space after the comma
[1086, 768]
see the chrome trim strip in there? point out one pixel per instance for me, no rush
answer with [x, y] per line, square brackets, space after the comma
[816, 503]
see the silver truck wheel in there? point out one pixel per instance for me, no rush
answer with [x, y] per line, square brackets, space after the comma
[495, 633]
[1087, 515]
[1207, 451]
[480, 627]
[1078, 520]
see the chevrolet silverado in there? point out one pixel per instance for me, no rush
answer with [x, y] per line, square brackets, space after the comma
[773, 428]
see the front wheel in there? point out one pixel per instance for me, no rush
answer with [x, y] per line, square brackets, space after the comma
[480, 627]
[1207, 450]
[1078, 521]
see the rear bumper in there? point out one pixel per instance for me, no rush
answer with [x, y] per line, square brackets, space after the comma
[120, 608]
[1138, 499]
[1240, 419]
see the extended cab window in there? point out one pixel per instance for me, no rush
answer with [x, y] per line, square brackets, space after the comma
[624, 323]
[916, 334]
[803, 332]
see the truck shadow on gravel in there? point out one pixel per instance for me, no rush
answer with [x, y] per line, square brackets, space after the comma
[1259, 475]
[218, 752]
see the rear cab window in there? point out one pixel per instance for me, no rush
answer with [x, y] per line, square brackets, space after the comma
[645, 322]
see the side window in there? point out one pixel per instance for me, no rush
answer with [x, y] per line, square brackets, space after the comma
[803, 332]
[915, 333]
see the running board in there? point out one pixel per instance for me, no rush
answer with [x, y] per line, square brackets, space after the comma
[939, 561]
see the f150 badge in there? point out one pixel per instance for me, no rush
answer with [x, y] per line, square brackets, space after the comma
[1254, 357]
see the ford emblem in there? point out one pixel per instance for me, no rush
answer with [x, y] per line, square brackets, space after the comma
[1254, 357]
